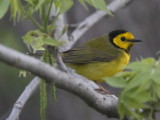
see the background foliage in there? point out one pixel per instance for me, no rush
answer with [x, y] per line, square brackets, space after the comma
[142, 81]
[140, 95]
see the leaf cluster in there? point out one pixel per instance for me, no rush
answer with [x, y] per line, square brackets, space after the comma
[98, 4]
[26, 8]
[36, 40]
[140, 85]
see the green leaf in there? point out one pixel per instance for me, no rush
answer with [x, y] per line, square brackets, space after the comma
[143, 65]
[4, 5]
[121, 109]
[99, 4]
[133, 103]
[50, 41]
[155, 91]
[37, 39]
[142, 88]
[62, 5]
[34, 40]
[125, 109]
[40, 4]
[137, 80]
[125, 74]
[145, 83]
[116, 82]
[141, 96]
[120, 79]
[17, 9]
[156, 75]
[150, 61]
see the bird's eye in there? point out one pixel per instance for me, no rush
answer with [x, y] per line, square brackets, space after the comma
[123, 38]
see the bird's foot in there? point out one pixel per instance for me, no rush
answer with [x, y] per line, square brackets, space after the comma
[102, 89]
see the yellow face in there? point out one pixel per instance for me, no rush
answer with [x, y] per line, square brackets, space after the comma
[124, 40]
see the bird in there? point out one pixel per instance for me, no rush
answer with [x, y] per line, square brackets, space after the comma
[101, 57]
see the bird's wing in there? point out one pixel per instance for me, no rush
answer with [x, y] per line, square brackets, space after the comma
[82, 55]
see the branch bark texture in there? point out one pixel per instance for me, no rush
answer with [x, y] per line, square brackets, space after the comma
[105, 104]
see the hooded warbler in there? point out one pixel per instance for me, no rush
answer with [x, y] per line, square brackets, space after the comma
[101, 57]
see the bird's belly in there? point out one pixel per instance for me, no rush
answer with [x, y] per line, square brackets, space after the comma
[98, 70]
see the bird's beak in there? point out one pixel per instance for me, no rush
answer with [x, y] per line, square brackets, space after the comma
[134, 40]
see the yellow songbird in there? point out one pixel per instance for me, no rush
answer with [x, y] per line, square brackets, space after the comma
[101, 57]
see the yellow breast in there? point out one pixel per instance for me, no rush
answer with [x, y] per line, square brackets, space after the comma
[98, 70]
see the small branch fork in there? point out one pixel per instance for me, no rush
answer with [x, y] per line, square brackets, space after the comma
[105, 104]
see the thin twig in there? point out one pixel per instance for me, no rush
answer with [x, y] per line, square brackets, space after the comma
[60, 25]
[26, 94]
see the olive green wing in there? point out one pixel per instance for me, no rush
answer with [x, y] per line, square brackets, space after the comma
[82, 55]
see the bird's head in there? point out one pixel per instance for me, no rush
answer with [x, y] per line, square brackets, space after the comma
[122, 39]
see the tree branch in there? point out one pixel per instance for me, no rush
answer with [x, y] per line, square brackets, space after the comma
[27, 93]
[105, 104]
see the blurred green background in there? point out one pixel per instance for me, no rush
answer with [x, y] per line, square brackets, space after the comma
[140, 17]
